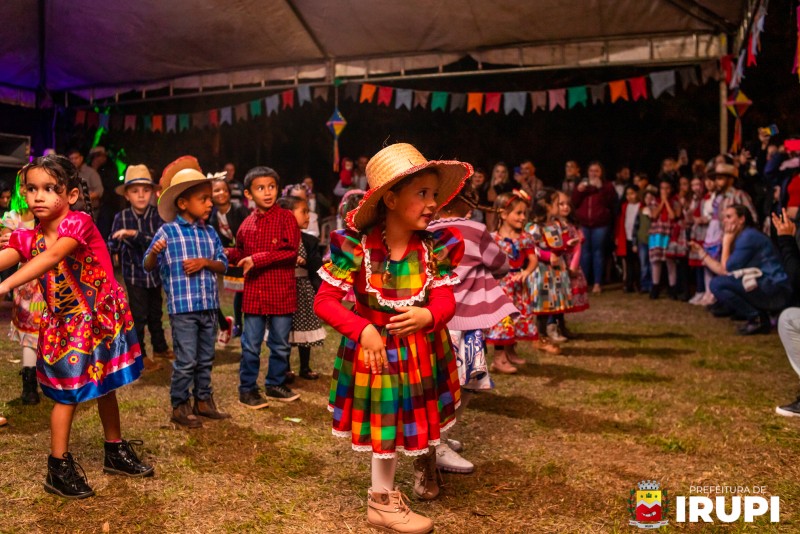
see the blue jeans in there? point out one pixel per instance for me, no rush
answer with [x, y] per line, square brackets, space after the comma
[593, 253]
[644, 266]
[730, 292]
[279, 350]
[193, 338]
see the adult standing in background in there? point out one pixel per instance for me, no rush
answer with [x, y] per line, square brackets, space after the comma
[594, 199]
[527, 178]
[572, 175]
[500, 183]
[360, 174]
[112, 203]
[236, 187]
[93, 181]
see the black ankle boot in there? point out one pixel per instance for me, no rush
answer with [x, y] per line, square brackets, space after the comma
[122, 460]
[30, 386]
[654, 291]
[66, 478]
[673, 292]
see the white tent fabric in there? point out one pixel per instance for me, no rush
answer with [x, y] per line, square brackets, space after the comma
[103, 47]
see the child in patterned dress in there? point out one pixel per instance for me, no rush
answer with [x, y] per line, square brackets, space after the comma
[87, 344]
[579, 288]
[395, 384]
[517, 244]
[549, 285]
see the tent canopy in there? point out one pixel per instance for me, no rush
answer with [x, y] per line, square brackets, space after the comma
[103, 47]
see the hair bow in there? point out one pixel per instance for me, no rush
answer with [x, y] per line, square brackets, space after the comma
[217, 175]
[518, 194]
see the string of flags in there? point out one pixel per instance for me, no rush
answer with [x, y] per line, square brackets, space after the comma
[651, 86]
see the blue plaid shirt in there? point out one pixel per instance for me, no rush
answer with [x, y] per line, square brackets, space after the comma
[131, 250]
[185, 240]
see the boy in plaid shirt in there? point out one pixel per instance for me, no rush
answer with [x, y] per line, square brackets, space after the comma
[131, 234]
[266, 248]
[189, 255]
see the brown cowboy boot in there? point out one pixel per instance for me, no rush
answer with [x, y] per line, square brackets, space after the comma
[208, 408]
[390, 512]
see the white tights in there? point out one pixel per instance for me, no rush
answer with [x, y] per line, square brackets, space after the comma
[28, 357]
[672, 272]
[383, 474]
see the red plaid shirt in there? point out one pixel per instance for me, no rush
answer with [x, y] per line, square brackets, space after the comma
[272, 239]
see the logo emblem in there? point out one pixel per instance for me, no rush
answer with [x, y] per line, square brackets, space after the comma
[648, 505]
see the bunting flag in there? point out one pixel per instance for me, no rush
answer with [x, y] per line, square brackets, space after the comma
[726, 61]
[130, 122]
[557, 98]
[183, 122]
[226, 115]
[352, 91]
[117, 122]
[272, 102]
[737, 105]
[367, 92]
[514, 101]
[303, 94]
[92, 119]
[287, 99]
[213, 118]
[147, 123]
[598, 93]
[688, 77]
[538, 100]
[385, 95]
[321, 93]
[172, 123]
[577, 96]
[457, 101]
[663, 82]
[439, 101]
[80, 117]
[158, 123]
[492, 102]
[751, 51]
[709, 71]
[255, 108]
[738, 72]
[638, 88]
[474, 102]
[104, 120]
[619, 90]
[421, 99]
[241, 112]
[403, 98]
[200, 119]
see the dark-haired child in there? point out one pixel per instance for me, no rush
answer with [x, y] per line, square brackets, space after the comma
[87, 344]
[266, 249]
[189, 255]
[5, 197]
[307, 330]
[626, 240]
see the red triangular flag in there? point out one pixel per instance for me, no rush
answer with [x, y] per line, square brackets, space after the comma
[213, 118]
[158, 123]
[80, 117]
[385, 95]
[638, 88]
[492, 102]
[92, 119]
[287, 99]
[726, 64]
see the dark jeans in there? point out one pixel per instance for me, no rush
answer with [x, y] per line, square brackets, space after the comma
[146, 308]
[632, 274]
[644, 266]
[730, 292]
[237, 312]
[593, 253]
[193, 338]
[279, 349]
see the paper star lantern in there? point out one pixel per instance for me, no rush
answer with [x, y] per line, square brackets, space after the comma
[336, 125]
[737, 105]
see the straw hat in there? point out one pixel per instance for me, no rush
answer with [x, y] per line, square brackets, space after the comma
[179, 183]
[183, 162]
[136, 175]
[725, 169]
[394, 163]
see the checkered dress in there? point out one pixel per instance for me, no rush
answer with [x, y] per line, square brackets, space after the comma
[407, 407]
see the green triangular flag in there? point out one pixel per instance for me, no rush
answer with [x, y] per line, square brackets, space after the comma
[577, 95]
[255, 108]
[147, 123]
[438, 100]
[183, 122]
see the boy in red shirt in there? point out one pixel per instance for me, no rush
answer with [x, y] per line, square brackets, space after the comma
[266, 249]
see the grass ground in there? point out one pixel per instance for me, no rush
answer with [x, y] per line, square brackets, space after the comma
[649, 391]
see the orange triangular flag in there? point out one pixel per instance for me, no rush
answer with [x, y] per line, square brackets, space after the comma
[475, 102]
[367, 92]
[619, 90]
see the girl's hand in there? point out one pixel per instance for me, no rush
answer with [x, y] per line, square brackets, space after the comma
[696, 247]
[246, 264]
[301, 261]
[555, 260]
[123, 234]
[411, 320]
[783, 224]
[373, 350]
[635, 249]
[194, 265]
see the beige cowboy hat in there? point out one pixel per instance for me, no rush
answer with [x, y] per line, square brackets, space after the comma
[725, 169]
[179, 183]
[183, 162]
[136, 175]
[394, 163]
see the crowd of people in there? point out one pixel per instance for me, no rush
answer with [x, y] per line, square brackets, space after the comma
[422, 268]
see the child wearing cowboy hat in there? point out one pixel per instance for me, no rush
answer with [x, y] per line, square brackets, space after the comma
[395, 384]
[131, 233]
[189, 255]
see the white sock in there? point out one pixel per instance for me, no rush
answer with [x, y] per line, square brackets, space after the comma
[383, 474]
[28, 357]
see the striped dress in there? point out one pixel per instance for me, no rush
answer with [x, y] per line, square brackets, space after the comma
[405, 408]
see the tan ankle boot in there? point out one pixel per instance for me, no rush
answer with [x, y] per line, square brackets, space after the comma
[426, 476]
[502, 365]
[390, 512]
[545, 345]
[514, 359]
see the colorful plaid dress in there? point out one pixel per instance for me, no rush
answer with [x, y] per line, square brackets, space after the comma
[577, 280]
[523, 328]
[406, 407]
[87, 344]
[549, 284]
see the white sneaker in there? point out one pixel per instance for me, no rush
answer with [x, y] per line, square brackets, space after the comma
[455, 444]
[224, 335]
[708, 299]
[450, 461]
[697, 298]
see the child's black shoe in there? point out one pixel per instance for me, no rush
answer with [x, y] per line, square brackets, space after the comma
[66, 478]
[121, 459]
[30, 386]
[281, 393]
[253, 400]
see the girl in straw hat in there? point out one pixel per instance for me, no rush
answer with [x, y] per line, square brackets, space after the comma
[395, 384]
